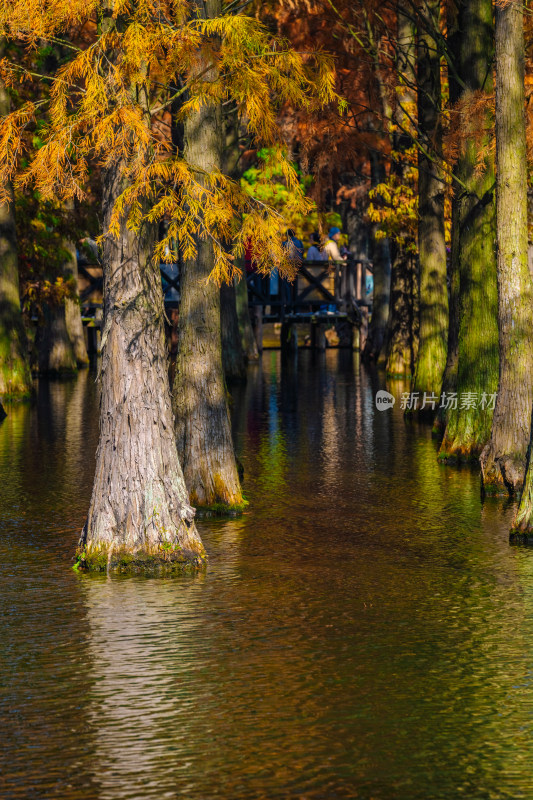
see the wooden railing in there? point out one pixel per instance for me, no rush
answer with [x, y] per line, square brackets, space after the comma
[332, 287]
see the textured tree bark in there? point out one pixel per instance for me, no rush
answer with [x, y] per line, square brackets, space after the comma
[469, 425]
[55, 352]
[73, 312]
[139, 518]
[233, 357]
[245, 324]
[433, 297]
[503, 460]
[15, 375]
[203, 429]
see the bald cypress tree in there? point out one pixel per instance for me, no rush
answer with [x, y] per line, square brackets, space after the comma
[103, 105]
[469, 419]
[15, 376]
[503, 461]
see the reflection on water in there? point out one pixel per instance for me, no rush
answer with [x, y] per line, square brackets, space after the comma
[363, 631]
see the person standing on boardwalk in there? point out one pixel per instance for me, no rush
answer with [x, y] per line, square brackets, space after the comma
[332, 245]
[315, 253]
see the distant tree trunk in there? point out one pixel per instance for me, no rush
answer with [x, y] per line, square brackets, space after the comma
[503, 461]
[433, 297]
[233, 357]
[402, 334]
[202, 418]
[238, 341]
[469, 425]
[245, 324]
[73, 312]
[139, 518]
[377, 331]
[449, 379]
[3, 414]
[15, 375]
[402, 323]
[55, 351]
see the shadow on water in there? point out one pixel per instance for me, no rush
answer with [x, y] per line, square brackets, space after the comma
[363, 630]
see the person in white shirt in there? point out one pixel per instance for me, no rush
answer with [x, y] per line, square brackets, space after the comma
[315, 253]
[332, 247]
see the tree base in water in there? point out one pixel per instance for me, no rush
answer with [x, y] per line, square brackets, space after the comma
[458, 457]
[221, 510]
[521, 538]
[162, 562]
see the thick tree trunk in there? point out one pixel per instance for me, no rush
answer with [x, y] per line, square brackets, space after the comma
[469, 424]
[245, 324]
[140, 517]
[73, 312]
[15, 375]
[203, 429]
[233, 357]
[503, 460]
[433, 297]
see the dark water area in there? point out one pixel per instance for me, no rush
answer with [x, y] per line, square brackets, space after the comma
[364, 630]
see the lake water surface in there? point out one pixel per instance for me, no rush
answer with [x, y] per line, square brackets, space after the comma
[363, 631]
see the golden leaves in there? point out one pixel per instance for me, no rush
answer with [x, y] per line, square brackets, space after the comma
[146, 57]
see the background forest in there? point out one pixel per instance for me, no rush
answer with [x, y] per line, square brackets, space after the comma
[197, 130]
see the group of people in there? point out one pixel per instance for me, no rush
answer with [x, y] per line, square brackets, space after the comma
[330, 251]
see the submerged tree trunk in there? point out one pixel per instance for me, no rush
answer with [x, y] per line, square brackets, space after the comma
[15, 375]
[245, 324]
[469, 422]
[73, 312]
[433, 296]
[203, 429]
[55, 352]
[140, 517]
[233, 357]
[402, 323]
[449, 379]
[503, 460]
[377, 331]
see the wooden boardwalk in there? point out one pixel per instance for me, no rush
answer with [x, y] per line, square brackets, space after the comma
[323, 293]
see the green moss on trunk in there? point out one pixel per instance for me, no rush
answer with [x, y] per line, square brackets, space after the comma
[142, 562]
[15, 375]
[469, 424]
[433, 332]
[203, 430]
[503, 460]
